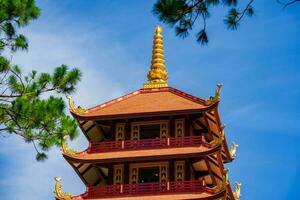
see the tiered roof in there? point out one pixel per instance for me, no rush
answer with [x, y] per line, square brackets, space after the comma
[156, 98]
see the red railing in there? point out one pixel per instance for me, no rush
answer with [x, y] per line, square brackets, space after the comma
[157, 143]
[149, 188]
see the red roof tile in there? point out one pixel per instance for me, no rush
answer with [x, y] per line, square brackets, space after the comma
[157, 100]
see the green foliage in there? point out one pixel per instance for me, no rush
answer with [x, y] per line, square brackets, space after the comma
[183, 14]
[28, 107]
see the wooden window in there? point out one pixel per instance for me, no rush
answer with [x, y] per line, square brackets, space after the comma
[135, 131]
[179, 128]
[149, 130]
[118, 174]
[160, 169]
[120, 131]
[164, 130]
[179, 170]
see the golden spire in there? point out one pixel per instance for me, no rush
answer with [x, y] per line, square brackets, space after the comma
[157, 76]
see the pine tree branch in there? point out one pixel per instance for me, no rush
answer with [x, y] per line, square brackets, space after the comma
[244, 11]
[286, 4]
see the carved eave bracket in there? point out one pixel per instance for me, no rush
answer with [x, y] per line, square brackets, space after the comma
[59, 194]
[77, 110]
[65, 148]
[237, 192]
[213, 99]
[233, 150]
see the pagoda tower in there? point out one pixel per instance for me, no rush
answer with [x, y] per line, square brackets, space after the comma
[155, 143]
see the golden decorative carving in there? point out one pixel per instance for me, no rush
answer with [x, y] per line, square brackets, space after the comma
[73, 108]
[219, 140]
[216, 98]
[157, 76]
[225, 182]
[225, 178]
[237, 192]
[65, 148]
[59, 194]
[233, 149]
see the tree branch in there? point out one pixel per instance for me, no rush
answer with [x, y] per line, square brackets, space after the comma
[286, 4]
[244, 11]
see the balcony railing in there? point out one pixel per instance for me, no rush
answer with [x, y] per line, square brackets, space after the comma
[197, 186]
[158, 143]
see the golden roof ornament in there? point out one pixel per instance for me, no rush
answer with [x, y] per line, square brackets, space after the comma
[233, 149]
[225, 182]
[216, 98]
[218, 141]
[65, 148]
[237, 193]
[157, 76]
[59, 194]
[73, 108]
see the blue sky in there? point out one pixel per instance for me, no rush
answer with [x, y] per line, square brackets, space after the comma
[110, 41]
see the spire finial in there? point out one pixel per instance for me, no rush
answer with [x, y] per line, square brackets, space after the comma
[157, 76]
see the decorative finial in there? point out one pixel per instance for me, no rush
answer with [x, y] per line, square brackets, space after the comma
[233, 149]
[157, 76]
[59, 194]
[65, 148]
[73, 108]
[237, 193]
[217, 96]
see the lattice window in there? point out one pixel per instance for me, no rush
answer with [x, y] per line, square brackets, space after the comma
[179, 170]
[164, 173]
[118, 174]
[120, 131]
[164, 130]
[179, 128]
[135, 132]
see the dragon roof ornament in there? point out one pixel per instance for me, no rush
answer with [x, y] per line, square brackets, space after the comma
[65, 148]
[77, 110]
[59, 194]
[213, 99]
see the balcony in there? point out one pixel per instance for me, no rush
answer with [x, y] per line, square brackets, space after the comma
[158, 143]
[168, 188]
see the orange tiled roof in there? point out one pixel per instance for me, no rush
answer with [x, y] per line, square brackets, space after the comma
[145, 101]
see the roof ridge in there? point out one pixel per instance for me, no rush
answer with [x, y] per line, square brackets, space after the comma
[148, 90]
[186, 95]
[115, 100]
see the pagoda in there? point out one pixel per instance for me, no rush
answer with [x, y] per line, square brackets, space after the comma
[157, 142]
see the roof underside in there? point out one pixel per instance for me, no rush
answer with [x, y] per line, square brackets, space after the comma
[148, 101]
